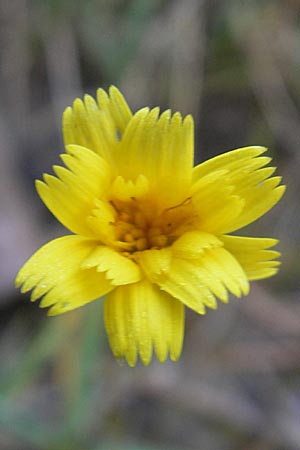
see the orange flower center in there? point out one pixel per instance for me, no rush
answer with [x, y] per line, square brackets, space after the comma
[139, 225]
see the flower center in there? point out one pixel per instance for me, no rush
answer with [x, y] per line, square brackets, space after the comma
[139, 225]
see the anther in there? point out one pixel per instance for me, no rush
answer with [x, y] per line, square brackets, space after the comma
[137, 233]
[158, 241]
[124, 216]
[128, 237]
[125, 226]
[155, 231]
[141, 244]
[139, 219]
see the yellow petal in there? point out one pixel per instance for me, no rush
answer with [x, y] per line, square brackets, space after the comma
[140, 317]
[97, 126]
[118, 107]
[250, 183]
[155, 263]
[126, 190]
[182, 282]
[101, 221]
[227, 270]
[252, 254]
[192, 244]
[54, 272]
[230, 160]
[71, 197]
[215, 203]
[118, 269]
[196, 282]
[259, 199]
[160, 148]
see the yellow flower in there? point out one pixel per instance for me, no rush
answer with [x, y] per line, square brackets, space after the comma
[150, 232]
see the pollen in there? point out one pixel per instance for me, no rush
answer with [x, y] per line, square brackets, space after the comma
[138, 227]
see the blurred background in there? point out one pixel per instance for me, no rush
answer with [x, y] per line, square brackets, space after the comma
[235, 65]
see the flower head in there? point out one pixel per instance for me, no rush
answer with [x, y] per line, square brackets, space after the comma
[150, 231]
